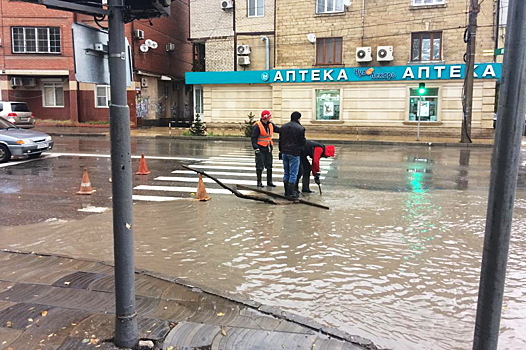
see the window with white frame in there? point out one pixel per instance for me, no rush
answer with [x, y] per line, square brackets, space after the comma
[36, 40]
[53, 94]
[329, 6]
[102, 96]
[428, 2]
[256, 8]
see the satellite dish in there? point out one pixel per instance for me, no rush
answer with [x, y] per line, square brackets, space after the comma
[346, 3]
[144, 48]
[311, 37]
[148, 42]
[154, 45]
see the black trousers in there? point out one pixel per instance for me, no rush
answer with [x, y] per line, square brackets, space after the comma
[264, 159]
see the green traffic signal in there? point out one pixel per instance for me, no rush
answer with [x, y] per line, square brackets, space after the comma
[422, 88]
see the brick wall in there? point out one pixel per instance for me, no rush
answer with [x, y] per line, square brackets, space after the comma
[208, 20]
[220, 54]
[379, 23]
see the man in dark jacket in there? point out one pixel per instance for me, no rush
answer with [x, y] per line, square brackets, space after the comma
[315, 150]
[262, 143]
[291, 140]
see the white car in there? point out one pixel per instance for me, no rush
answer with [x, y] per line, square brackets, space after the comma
[16, 142]
[17, 113]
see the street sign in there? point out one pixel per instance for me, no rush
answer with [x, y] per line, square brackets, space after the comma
[91, 56]
[495, 52]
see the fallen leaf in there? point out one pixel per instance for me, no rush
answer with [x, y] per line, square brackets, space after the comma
[67, 283]
[30, 319]
[94, 341]
[128, 226]
[9, 324]
[223, 332]
[220, 314]
[44, 313]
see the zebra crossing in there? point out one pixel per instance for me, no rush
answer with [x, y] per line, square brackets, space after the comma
[231, 169]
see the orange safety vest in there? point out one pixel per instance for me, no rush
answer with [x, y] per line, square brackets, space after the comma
[265, 139]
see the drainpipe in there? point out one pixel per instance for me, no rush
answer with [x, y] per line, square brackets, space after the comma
[267, 52]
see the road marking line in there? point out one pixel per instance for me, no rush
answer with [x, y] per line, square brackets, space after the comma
[184, 189]
[133, 157]
[207, 180]
[138, 197]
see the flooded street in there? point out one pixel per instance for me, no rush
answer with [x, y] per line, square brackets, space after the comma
[396, 259]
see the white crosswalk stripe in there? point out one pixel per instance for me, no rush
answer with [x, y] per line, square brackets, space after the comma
[231, 169]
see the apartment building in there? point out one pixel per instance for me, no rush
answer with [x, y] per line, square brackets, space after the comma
[349, 66]
[43, 51]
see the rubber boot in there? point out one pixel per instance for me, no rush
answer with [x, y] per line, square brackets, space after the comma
[269, 178]
[305, 184]
[296, 187]
[259, 174]
[286, 186]
[292, 189]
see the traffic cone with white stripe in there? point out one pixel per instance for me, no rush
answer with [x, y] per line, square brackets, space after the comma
[85, 185]
[201, 194]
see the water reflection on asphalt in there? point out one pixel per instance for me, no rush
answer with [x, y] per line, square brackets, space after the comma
[395, 262]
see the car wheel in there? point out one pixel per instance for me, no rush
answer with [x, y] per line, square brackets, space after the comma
[5, 155]
[34, 155]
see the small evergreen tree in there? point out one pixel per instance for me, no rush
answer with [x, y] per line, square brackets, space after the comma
[198, 127]
[248, 124]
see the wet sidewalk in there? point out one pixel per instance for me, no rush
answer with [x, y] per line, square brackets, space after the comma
[180, 133]
[52, 302]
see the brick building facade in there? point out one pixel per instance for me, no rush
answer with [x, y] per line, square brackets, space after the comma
[42, 72]
[349, 67]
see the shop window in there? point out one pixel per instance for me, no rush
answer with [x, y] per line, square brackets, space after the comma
[36, 40]
[329, 51]
[327, 104]
[102, 96]
[256, 8]
[428, 2]
[53, 94]
[426, 46]
[423, 107]
[329, 6]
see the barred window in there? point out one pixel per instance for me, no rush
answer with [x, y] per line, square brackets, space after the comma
[36, 40]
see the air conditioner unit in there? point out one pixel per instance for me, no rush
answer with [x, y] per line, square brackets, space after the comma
[384, 53]
[243, 50]
[243, 60]
[170, 47]
[363, 54]
[144, 82]
[29, 82]
[138, 34]
[227, 4]
[15, 81]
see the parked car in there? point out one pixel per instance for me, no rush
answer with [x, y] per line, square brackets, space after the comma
[16, 142]
[17, 113]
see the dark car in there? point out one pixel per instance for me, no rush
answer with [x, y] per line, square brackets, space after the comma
[16, 142]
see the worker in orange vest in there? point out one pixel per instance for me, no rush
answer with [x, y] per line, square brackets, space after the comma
[262, 143]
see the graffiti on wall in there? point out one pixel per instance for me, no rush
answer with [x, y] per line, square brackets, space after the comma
[146, 106]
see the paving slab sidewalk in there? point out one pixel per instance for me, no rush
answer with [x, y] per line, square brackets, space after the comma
[54, 302]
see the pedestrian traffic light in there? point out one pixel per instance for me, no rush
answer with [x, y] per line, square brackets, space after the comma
[422, 88]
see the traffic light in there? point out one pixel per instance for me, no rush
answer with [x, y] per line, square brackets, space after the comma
[422, 89]
[139, 9]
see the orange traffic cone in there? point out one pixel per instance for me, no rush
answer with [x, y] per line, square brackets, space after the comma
[201, 194]
[85, 186]
[143, 169]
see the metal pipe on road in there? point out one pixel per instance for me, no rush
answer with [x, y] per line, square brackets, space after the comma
[504, 172]
[126, 329]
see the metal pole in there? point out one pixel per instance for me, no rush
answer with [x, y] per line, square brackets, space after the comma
[467, 103]
[126, 330]
[418, 105]
[504, 172]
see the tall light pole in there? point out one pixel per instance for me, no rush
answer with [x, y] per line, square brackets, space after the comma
[467, 98]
